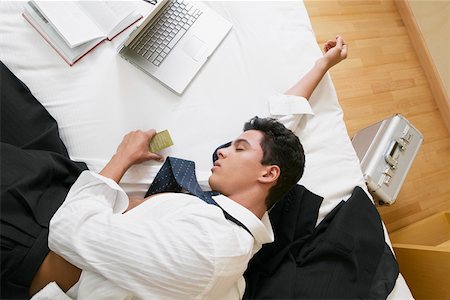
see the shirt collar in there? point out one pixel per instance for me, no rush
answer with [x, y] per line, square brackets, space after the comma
[261, 229]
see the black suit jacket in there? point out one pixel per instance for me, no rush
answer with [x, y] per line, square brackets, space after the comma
[345, 256]
[36, 174]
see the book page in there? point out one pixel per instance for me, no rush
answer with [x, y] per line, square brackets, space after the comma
[69, 20]
[111, 16]
[54, 38]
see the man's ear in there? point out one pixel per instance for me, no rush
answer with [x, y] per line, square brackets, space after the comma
[270, 174]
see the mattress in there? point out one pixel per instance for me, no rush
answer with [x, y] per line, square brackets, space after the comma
[102, 97]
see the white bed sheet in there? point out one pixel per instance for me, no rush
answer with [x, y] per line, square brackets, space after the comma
[102, 97]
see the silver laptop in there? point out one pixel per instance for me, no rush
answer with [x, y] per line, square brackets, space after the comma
[174, 41]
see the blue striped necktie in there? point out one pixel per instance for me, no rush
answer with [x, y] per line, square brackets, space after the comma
[178, 175]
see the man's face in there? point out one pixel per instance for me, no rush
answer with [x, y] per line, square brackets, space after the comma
[238, 166]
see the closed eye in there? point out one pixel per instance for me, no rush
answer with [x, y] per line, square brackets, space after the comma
[241, 144]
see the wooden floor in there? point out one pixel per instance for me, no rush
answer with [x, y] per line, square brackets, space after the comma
[382, 76]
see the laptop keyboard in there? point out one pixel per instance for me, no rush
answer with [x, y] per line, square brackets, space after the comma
[159, 39]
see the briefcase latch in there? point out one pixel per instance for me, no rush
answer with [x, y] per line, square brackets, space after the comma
[388, 174]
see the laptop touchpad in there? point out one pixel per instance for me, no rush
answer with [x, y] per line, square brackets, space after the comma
[194, 47]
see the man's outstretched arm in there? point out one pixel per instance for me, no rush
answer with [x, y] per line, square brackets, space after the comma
[334, 52]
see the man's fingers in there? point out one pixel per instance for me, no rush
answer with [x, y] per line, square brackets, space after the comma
[339, 42]
[150, 133]
[344, 51]
[155, 156]
[329, 44]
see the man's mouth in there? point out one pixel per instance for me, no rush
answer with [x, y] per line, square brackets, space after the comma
[216, 166]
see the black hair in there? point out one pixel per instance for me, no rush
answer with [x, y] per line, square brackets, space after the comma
[280, 147]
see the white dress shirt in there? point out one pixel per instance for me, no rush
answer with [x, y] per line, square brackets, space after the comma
[172, 246]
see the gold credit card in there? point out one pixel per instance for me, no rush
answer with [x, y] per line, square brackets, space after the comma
[160, 141]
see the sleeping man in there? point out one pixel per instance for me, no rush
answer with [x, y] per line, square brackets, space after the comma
[188, 244]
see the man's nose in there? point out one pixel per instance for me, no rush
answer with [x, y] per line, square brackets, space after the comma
[222, 152]
[216, 152]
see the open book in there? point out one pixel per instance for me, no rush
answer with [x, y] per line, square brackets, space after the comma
[74, 28]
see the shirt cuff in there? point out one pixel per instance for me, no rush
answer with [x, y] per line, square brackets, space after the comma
[120, 201]
[51, 291]
[283, 105]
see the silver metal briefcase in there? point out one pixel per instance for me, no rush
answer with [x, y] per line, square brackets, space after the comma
[386, 151]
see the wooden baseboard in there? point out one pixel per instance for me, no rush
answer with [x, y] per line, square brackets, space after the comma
[436, 85]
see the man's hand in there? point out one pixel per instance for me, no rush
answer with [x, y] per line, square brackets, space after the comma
[132, 150]
[335, 51]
